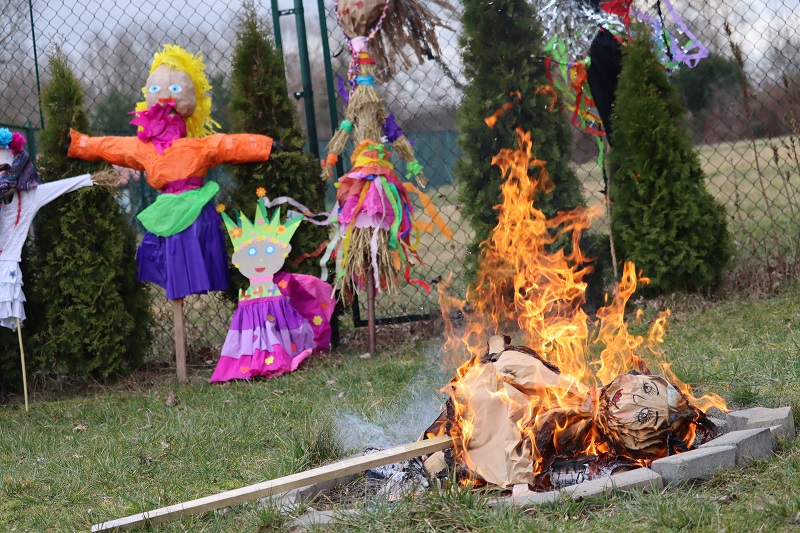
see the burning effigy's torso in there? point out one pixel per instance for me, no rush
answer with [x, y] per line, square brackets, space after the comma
[524, 415]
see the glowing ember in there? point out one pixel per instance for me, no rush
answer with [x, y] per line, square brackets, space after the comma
[517, 411]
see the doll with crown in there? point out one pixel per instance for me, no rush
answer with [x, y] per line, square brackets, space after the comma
[183, 249]
[281, 318]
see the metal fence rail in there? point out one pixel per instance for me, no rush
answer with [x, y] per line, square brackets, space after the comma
[747, 139]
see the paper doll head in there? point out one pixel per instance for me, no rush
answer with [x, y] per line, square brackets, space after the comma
[178, 80]
[261, 247]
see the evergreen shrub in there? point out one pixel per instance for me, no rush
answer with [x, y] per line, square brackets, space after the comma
[663, 218]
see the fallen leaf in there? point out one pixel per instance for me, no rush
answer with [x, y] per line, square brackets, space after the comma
[365, 355]
[172, 399]
[331, 381]
[341, 394]
[80, 427]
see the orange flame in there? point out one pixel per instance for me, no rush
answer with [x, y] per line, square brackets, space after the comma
[523, 286]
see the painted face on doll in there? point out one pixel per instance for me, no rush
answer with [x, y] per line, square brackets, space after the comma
[261, 258]
[166, 84]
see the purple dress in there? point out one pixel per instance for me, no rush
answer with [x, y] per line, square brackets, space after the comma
[193, 261]
[271, 335]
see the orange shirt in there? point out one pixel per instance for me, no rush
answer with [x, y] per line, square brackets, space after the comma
[186, 157]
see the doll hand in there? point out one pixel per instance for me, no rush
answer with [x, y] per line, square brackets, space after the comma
[421, 180]
[327, 166]
[107, 179]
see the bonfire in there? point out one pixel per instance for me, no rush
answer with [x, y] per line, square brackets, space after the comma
[573, 398]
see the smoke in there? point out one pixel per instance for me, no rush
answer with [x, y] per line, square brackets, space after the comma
[416, 408]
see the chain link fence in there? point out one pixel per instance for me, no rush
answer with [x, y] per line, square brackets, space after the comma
[743, 113]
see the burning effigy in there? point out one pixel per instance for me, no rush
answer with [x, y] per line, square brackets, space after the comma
[574, 398]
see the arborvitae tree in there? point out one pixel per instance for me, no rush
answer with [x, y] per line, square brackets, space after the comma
[501, 43]
[96, 313]
[260, 104]
[663, 218]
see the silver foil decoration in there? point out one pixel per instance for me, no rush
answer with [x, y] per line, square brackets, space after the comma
[575, 23]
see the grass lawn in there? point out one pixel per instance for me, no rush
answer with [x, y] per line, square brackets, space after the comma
[82, 457]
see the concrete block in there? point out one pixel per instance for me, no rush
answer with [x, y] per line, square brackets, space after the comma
[285, 502]
[751, 444]
[321, 518]
[533, 498]
[761, 417]
[700, 463]
[722, 425]
[640, 479]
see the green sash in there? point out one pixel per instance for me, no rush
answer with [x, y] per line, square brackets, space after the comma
[173, 213]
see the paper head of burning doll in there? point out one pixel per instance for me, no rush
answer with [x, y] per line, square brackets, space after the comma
[647, 416]
[183, 249]
[281, 318]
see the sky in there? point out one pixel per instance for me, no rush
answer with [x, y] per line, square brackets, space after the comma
[208, 25]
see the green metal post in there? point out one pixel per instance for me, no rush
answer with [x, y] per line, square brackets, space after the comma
[36, 65]
[276, 25]
[305, 73]
[30, 135]
[326, 54]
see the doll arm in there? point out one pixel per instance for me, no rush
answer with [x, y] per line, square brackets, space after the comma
[47, 192]
[238, 148]
[403, 148]
[335, 148]
[115, 150]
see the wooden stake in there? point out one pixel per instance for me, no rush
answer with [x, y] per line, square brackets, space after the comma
[180, 339]
[22, 357]
[371, 308]
[277, 486]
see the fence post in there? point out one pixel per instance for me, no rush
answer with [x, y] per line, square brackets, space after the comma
[30, 134]
[326, 54]
[36, 65]
[307, 94]
[305, 73]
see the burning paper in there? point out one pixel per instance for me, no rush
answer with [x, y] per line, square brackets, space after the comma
[579, 391]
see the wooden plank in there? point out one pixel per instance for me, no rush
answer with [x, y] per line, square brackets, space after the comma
[282, 484]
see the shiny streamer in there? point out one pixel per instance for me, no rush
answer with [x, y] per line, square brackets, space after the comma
[689, 54]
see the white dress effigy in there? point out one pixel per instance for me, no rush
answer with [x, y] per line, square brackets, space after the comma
[15, 221]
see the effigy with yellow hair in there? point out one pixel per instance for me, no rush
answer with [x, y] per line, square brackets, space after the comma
[183, 249]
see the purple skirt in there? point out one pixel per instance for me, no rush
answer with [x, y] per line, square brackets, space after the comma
[193, 261]
[268, 337]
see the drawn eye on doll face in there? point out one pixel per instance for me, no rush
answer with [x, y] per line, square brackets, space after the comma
[166, 84]
[260, 259]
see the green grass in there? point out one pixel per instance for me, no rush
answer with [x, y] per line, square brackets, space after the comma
[80, 458]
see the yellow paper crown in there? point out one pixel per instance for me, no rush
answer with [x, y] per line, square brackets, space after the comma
[242, 232]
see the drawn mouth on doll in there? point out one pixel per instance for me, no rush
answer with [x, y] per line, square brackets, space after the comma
[261, 269]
